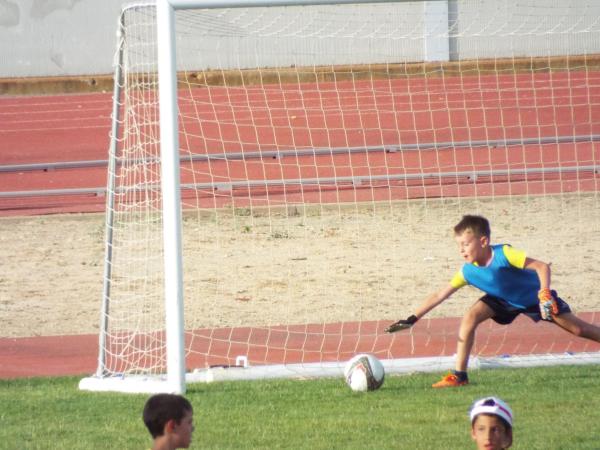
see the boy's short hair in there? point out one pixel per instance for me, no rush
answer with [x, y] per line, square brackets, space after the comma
[161, 408]
[492, 406]
[479, 225]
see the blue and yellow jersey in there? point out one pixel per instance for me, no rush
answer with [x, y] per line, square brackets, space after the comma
[504, 277]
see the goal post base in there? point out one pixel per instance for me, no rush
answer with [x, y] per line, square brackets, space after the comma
[138, 384]
[400, 366]
[129, 384]
[548, 359]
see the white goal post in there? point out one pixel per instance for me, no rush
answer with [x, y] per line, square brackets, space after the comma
[283, 172]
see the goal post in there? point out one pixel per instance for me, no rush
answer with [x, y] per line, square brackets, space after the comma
[284, 175]
[171, 195]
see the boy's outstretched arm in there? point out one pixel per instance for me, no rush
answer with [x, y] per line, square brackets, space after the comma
[542, 269]
[428, 304]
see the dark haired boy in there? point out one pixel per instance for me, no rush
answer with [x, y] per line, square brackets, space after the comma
[169, 419]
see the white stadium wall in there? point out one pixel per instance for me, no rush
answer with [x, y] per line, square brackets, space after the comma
[48, 38]
[40, 38]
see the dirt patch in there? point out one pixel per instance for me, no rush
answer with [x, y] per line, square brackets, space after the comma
[312, 265]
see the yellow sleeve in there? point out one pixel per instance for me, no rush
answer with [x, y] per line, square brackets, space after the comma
[458, 280]
[515, 257]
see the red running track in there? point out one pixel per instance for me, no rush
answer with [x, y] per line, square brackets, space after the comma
[77, 355]
[76, 128]
[338, 115]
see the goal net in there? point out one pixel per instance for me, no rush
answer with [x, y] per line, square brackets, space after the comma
[321, 156]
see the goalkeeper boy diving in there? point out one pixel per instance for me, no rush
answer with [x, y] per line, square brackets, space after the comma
[513, 284]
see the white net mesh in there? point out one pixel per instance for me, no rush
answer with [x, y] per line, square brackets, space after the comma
[327, 152]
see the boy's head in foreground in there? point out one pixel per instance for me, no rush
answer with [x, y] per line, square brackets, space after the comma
[472, 234]
[491, 424]
[169, 419]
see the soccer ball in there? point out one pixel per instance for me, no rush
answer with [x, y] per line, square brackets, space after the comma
[364, 372]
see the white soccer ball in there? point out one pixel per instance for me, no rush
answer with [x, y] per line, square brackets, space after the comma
[364, 372]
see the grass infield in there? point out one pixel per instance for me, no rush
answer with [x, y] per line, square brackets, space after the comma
[555, 408]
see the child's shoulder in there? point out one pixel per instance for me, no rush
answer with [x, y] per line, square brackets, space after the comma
[514, 256]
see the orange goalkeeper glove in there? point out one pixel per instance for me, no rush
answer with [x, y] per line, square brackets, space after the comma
[548, 305]
[402, 324]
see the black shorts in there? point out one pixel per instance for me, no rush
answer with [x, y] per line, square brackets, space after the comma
[505, 313]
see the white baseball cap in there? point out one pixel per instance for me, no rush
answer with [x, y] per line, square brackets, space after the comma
[492, 405]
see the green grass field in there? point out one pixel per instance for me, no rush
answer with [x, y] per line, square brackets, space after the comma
[555, 408]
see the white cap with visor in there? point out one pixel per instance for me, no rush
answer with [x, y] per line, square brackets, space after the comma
[494, 406]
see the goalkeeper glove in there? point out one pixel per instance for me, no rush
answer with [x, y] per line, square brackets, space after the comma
[548, 305]
[402, 324]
